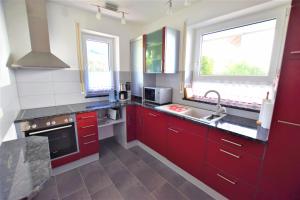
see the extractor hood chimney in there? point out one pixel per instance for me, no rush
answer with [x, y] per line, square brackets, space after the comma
[40, 56]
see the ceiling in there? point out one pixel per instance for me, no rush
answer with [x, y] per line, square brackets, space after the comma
[140, 11]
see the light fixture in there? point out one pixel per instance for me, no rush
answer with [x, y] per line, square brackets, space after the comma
[123, 20]
[170, 7]
[187, 2]
[98, 14]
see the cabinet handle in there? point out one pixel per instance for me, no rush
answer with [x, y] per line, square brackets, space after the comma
[226, 179]
[87, 117]
[173, 130]
[90, 142]
[88, 126]
[228, 141]
[288, 123]
[228, 153]
[85, 136]
[153, 115]
[295, 52]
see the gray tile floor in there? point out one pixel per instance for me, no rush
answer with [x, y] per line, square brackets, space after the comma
[121, 174]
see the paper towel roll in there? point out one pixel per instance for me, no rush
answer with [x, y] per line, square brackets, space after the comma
[265, 115]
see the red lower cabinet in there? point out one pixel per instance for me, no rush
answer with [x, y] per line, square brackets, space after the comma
[186, 145]
[228, 185]
[155, 130]
[139, 123]
[87, 130]
[131, 122]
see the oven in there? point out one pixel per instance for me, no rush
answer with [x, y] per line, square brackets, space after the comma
[61, 133]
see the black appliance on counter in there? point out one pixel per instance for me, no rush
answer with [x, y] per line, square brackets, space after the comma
[60, 130]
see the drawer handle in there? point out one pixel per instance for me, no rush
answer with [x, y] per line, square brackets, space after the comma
[85, 136]
[153, 115]
[226, 179]
[88, 126]
[230, 142]
[87, 117]
[173, 130]
[228, 153]
[90, 142]
[295, 52]
[288, 123]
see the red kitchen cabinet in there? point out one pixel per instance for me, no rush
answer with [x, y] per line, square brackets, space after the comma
[139, 123]
[87, 129]
[186, 145]
[227, 185]
[281, 175]
[131, 122]
[155, 130]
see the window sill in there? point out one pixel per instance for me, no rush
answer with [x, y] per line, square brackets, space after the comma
[227, 103]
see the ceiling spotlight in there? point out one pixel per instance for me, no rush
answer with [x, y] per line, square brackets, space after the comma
[170, 7]
[98, 14]
[123, 20]
[187, 2]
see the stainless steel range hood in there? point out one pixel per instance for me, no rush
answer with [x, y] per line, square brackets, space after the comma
[40, 56]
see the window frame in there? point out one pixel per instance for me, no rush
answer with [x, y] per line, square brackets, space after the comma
[205, 28]
[100, 38]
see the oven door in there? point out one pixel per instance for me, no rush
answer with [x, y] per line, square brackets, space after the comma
[62, 139]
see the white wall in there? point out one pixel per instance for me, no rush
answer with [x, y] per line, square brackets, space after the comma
[9, 105]
[41, 88]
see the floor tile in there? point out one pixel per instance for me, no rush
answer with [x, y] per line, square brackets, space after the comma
[147, 176]
[123, 180]
[167, 192]
[49, 191]
[106, 156]
[193, 192]
[81, 194]
[114, 167]
[136, 192]
[144, 155]
[94, 177]
[68, 183]
[107, 193]
[127, 157]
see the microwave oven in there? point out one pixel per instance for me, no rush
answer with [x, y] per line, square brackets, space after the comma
[158, 95]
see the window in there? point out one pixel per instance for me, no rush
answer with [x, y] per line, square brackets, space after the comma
[241, 51]
[98, 60]
[238, 55]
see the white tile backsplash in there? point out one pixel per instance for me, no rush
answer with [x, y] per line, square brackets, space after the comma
[36, 101]
[36, 76]
[34, 88]
[66, 87]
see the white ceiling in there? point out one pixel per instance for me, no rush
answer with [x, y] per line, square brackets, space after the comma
[141, 11]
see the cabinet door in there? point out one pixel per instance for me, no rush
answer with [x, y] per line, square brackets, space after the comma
[186, 145]
[139, 123]
[292, 46]
[287, 105]
[131, 122]
[137, 69]
[153, 44]
[281, 175]
[155, 130]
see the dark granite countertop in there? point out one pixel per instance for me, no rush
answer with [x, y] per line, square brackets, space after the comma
[232, 124]
[24, 167]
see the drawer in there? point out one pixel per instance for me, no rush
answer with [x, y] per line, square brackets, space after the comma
[237, 142]
[238, 163]
[186, 126]
[86, 115]
[89, 147]
[88, 137]
[87, 127]
[152, 113]
[227, 185]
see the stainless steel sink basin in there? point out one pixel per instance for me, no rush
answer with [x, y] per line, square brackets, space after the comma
[197, 114]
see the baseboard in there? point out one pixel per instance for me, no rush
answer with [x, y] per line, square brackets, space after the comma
[75, 164]
[131, 144]
[183, 173]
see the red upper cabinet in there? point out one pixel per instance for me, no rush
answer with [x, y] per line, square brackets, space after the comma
[87, 129]
[155, 130]
[186, 145]
[292, 46]
[131, 122]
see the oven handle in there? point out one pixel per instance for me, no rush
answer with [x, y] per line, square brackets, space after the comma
[51, 129]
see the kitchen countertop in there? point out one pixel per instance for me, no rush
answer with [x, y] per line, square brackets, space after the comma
[24, 167]
[232, 124]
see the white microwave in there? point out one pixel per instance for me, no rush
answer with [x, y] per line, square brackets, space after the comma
[158, 95]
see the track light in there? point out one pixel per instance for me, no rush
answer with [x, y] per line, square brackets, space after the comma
[98, 14]
[187, 2]
[170, 7]
[123, 20]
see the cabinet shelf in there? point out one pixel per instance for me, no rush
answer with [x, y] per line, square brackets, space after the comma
[109, 122]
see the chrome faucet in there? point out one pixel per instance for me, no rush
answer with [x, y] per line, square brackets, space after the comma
[220, 110]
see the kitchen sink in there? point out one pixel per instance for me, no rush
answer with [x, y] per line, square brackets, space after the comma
[197, 114]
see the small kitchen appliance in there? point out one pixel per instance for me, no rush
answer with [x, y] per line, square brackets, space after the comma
[158, 95]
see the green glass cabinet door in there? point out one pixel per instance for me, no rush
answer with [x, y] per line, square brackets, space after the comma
[153, 52]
